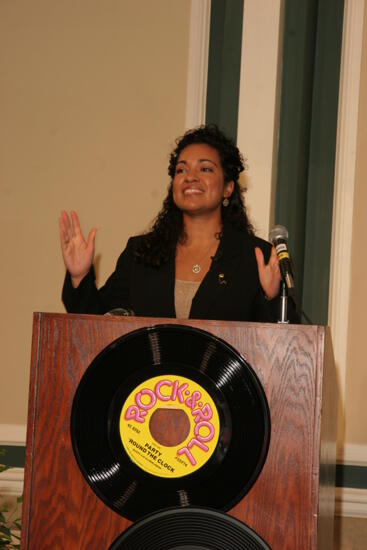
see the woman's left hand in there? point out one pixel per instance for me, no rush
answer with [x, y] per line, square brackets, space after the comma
[269, 274]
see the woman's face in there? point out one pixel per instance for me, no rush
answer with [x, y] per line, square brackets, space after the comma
[198, 184]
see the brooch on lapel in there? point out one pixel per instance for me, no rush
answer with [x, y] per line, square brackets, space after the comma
[221, 279]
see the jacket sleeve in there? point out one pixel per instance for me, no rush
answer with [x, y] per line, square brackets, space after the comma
[86, 298]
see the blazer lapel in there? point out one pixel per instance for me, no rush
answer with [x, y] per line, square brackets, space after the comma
[153, 289]
[165, 289]
[221, 272]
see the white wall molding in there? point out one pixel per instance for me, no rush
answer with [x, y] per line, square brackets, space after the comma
[340, 266]
[353, 455]
[351, 503]
[258, 114]
[12, 434]
[348, 502]
[11, 482]
[197, 74]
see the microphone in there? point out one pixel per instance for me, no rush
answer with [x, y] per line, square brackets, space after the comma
[278, 236]
[121, 312]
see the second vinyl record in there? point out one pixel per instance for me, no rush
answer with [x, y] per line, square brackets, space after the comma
[168, 416]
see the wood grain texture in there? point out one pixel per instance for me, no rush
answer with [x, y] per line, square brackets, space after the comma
[290, 505]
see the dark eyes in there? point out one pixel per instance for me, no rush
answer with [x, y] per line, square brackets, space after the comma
[205, 169]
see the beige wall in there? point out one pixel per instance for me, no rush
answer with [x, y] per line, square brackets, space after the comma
[356, 374]
[92, 97]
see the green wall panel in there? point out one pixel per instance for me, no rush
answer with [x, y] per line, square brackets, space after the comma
[320, 184]
[307, 142]
[224, 64]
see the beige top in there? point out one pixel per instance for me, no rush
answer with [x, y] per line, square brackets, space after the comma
[184, 294]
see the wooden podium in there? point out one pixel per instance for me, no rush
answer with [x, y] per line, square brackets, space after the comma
[291, 505]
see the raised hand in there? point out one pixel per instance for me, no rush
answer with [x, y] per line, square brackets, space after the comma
[77, 252]
[269, 274]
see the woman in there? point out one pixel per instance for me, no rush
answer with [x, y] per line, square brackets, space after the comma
[201, 258]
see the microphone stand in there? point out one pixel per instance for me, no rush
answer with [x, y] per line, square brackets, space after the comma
[283, 314]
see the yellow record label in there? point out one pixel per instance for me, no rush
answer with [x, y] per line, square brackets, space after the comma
[169, 426]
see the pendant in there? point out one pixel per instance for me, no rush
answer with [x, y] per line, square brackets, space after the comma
[196, 268]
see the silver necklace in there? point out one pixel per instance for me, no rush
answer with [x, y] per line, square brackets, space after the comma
[196, 268]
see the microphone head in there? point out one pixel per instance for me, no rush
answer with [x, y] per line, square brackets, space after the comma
[278, 232]
[121, 312]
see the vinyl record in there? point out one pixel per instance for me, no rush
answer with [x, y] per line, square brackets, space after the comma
[169, 416]
[189, 529]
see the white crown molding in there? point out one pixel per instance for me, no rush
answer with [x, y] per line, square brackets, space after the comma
[197, 74]
[13, 434]
[340, 266]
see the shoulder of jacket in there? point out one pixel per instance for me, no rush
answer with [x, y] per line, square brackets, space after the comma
[135, 241]
[234, 234]
[261, 243]
[131, 245]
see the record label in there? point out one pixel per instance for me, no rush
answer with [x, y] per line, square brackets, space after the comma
[169, 426]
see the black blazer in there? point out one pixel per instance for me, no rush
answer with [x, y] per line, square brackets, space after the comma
[230, 290]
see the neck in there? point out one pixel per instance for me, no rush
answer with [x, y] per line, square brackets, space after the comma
[200, 230]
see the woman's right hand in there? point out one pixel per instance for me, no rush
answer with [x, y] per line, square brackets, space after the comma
[77, 252]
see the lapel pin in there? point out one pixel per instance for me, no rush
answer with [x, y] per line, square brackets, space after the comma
[221, 279]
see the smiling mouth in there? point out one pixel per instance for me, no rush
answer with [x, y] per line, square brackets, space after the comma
[193, 191]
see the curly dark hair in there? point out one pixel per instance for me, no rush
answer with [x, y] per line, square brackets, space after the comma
[157, 246]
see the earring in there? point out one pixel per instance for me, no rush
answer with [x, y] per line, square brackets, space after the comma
[225, 202]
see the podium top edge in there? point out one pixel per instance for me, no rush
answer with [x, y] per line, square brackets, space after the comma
[171, 320]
